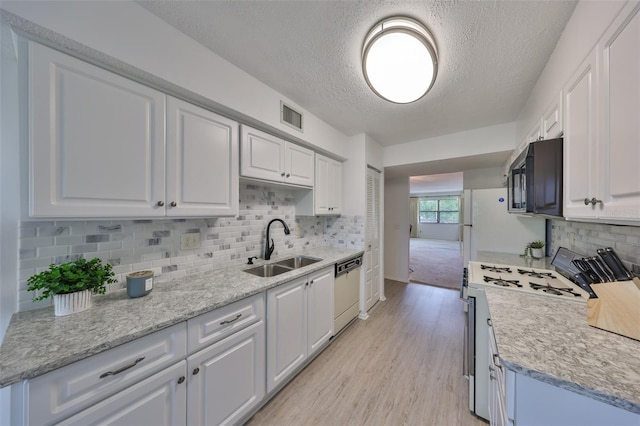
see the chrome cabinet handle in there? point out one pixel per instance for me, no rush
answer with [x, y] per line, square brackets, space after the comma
[230, 321]
[592, 201]
[196, 371]
[120, 370]
[288, 175]
[160, 203]
[174, 204]
[181, 380]
[282, 174]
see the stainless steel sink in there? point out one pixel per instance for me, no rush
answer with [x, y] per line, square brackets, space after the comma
[298, 261]
[270, 270]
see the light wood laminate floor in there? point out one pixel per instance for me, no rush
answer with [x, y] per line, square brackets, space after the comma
[401, 366]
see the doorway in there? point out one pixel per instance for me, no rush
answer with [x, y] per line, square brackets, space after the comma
[435, 254]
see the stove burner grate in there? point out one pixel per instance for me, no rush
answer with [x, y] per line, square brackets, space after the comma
[535, 274]
[502, 282]
[556, 291]
[496, 268]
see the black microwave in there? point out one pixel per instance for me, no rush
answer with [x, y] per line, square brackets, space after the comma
[535, 179]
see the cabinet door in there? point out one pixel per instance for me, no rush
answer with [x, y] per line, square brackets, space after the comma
[299, 165]
[552, 125]
[96, 140]
[158, 400]
[202, 162]
[322, 188]
[320, 309]
[580, 145]
[227, 379]
[620, 136]
[335, 187]
[262, 155]
[536, 133]
[286, 330]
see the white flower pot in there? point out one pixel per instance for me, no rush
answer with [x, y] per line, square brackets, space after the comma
[537, 253]
[70, 303]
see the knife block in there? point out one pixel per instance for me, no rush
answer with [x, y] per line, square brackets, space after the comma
[617, 308]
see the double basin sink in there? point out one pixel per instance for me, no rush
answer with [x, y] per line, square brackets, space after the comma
[282, 266]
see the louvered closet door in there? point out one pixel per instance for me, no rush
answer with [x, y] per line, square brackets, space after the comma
[372, 240]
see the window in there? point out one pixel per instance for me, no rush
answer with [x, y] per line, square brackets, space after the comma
[439, 210]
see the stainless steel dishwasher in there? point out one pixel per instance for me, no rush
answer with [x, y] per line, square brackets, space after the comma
[346, 292]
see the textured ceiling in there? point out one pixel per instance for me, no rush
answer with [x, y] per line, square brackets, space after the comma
[491, 54]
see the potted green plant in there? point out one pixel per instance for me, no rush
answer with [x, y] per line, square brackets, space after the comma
[535, 249]
[71, 284]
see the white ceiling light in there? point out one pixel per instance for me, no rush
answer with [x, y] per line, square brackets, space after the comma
[400, 60]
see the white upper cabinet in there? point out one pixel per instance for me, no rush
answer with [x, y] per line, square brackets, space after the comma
[619, 134]
[552, 124]
[202, 162]
[580, 146]
[268, 157]
[328, 186]
[602, 122]
[96, 140]
[97, 147]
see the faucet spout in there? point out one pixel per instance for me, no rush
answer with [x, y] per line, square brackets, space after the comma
[268, 248]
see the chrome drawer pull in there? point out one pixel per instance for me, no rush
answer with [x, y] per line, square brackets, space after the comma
[230, 321]
[120, 370]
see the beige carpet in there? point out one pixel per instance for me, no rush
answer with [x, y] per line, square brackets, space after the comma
[435, 262]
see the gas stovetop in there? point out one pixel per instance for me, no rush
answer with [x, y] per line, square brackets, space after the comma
[542, 282]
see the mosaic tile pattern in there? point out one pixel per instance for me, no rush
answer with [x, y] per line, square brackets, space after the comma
[133, 245]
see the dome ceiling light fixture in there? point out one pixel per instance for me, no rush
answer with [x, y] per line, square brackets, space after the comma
[400, 60]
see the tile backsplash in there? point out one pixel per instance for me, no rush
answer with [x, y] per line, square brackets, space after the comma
[133, 245]
[586, 238]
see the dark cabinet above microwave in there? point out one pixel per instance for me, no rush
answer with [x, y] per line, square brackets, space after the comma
[535, 179]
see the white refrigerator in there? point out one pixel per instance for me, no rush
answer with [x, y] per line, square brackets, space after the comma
[487, 226]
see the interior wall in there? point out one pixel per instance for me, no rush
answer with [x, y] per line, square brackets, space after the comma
[492, 177]
[498, 138]
[396, 229]
[439, 231]
[9, 178]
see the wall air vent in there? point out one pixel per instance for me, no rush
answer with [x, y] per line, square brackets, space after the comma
[290, 117]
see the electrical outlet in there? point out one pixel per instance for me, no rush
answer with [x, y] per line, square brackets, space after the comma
[298, 230]
[190, 241]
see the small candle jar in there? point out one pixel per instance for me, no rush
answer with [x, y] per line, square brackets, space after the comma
[139, 283]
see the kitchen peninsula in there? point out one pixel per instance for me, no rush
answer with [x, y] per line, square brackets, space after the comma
[549, 340]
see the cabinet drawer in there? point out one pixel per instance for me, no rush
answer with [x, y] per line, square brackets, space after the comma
[208, 328]
[63, 392]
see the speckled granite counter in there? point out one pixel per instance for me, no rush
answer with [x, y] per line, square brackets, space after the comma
[37, 342]
[551, 341]
[514, 259]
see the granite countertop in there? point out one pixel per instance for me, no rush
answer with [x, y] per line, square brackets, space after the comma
[550, 341]
[514, 259]
[37, 342]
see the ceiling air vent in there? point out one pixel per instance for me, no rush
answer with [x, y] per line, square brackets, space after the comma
[290, 116]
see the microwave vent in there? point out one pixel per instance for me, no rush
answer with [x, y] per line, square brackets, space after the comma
[290, 116]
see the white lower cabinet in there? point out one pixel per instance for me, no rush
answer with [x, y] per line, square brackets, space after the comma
[61, 393]
[299, 323]
[158, 400]
[208, 370]
[227, 379]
